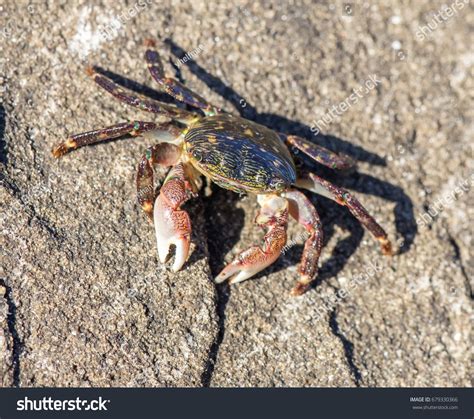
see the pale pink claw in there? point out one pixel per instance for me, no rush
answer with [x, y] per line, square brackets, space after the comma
[247, 264]
[274, 216]
[172, 228]
[172, 225]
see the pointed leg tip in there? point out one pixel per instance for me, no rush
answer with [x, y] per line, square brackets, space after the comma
[301, 286]
[387, 248]
[149, 42]
[63, 148]
[90, 71]
[299, 289]
[59, 151]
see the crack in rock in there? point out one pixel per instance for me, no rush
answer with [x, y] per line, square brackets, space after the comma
[457, 256]
[17, 347]
[222, 295]
[222, 298]
[348, 347]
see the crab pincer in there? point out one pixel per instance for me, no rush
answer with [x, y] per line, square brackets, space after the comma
[273, 216]
[173, 225]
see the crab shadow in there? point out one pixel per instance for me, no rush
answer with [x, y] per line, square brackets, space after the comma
[331, 213]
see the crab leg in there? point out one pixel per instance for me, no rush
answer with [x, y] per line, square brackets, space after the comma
[321, 186]
[134, 128]
[274, 216]
[303, 211]
[320, 154]
[164, 154]
[173, 87]
[141, 102]
[173, 225]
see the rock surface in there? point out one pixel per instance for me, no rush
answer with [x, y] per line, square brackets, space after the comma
[83, 298]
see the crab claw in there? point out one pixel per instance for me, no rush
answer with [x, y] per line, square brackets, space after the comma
[273, 216]
[172, 227]
[247, 264]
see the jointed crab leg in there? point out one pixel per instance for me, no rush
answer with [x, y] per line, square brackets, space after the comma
[134, 128]
[274, 216]
[320, 154]
[173, 87]
[321, 186]
[303, 211]
[173, 225]
[133, 99]
[164, 154]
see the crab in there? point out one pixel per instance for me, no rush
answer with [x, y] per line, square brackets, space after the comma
[234, 153]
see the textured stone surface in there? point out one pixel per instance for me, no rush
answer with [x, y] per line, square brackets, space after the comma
[83, 299]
